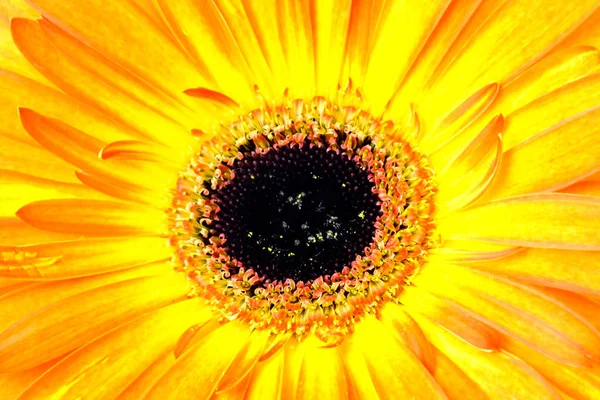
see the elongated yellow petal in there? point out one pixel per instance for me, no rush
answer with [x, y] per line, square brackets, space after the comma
[553, 220]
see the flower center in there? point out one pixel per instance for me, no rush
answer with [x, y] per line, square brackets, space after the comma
[303, 217]
[296, 212]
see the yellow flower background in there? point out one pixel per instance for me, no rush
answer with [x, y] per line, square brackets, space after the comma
[103, 103]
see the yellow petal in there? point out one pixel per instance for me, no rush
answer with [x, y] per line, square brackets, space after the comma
[384, 357]
[75, 321]
[451, 316]
[576, 271]
[516, 310]
[581, 383]
[14, 232]
[401, 33]
[215, 354]
[91, 88]
[91, 22]
[142, 384]
[20, 189]
[498, 374]
[455, 383]
[77, 258]
[553, 220]
[117, 358]
[512, 38]
[550, 160]
[322, 374]
[266, 379]
[24, 300]
[93, 217]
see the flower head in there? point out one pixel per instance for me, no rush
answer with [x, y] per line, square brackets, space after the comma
[299, 199]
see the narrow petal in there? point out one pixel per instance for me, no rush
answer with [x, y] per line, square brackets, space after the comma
[93, 217]
[28, 299]
[215, 354]
[552, 220]
[75, 321]
[562, 155]
[78, 258]
[464, 250]
[13, 384]
[516, 310]
[293, 355]
[117, 358]
[576, 271]
[498, 374]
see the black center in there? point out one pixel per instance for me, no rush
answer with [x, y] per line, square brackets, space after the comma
[296, 213]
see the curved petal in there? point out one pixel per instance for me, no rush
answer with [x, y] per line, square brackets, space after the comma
[75, 321]
[14, 232]
[266, 379]
[585, 187]
[552, 220]
[456, 384]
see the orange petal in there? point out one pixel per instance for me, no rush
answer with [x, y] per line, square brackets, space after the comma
[496, 373]
[204, 93]
[450, 316]
[215, 354]
[117, 358]
[93, 217]
[552, 220]
[584, 306]
[75, 321]
[90, 88]
[24, 300]
[516, 310]
[550, 160]
[575, 271]
[384, 356]
[77, 258]
[15, 232]
[266, 379]
[13, 384]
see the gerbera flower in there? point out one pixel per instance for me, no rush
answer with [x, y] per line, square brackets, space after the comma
[299, 199]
